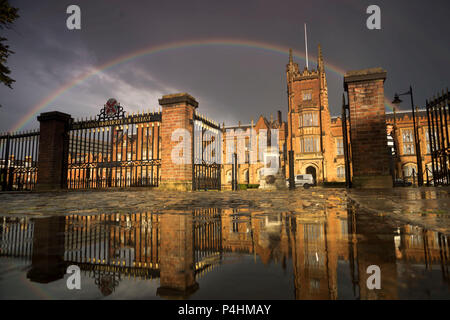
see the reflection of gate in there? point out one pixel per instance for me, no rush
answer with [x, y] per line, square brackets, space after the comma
[207, 238]
[438, 111]
[119, 151]
[18, 161]
[207, 154]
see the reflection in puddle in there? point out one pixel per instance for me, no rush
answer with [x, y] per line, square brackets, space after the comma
[221, 254]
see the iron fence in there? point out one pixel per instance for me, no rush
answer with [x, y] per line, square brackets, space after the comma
[121, 152]
[19, 161]
[206, 169]
[438, 111]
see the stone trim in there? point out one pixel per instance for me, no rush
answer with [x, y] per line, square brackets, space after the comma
[364, 75]
[178, 98]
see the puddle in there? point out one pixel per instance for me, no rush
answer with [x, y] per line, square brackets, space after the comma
[221, 253]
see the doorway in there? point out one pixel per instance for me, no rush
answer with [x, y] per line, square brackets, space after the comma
[312, 171]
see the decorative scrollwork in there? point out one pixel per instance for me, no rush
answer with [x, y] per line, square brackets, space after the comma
[111, 110]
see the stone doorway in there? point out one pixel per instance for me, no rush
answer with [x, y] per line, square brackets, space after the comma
[312, 171]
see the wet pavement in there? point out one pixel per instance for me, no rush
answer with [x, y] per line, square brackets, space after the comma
[149, 244]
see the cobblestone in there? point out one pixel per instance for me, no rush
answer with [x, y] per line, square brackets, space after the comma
[426, 207]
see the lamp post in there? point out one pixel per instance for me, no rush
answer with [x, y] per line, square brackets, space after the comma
[397, 102]
[291, 151]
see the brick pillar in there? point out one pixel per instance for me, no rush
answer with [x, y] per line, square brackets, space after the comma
[370, 157]
[177, 128]
[177, 277]
[53, 151]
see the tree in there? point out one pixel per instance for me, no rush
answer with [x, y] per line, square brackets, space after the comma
[7, 16]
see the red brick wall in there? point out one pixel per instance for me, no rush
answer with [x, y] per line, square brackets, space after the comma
[368, 124]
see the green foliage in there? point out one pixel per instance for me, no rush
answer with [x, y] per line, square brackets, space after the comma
[7, 16]
[248, 186]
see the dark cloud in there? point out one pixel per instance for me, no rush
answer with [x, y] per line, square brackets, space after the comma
[230, 83]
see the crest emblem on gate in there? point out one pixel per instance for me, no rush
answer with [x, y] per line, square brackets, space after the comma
[111, 110]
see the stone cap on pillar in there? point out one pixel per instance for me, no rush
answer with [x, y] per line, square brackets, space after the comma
[54, 115]
[364, 75]
[177, 98]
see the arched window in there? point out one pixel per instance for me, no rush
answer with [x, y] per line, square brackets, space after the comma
[229, 176]
[408, 170]
[259, 174]
[246, 176]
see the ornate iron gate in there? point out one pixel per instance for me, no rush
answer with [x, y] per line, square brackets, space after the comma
[207, 155]
[18, 161]
[438, 111]
[115, 150]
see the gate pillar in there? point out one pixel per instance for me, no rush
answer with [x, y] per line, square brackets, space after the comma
[53, 151]
[177, 133]
[177, 274]
[48, 250]
[370, 156]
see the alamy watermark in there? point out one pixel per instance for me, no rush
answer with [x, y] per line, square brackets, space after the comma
[74, 280]
[73, 22]
[374, 20]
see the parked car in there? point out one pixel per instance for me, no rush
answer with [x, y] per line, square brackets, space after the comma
[303, 180]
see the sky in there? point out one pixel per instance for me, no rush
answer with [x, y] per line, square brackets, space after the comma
[230, 55]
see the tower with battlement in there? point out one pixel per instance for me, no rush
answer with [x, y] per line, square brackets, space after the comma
[309, 120]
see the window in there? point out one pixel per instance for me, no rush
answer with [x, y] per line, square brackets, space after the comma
[408, 170]
[313, 232]
[129, 156]
[119, 157]
[259, 173]
[229, 176]
[408, 141]
[144, 154]
[309, 144]
[309, 119]
[427, 137]
[340, 147]
[307, 95]
[246, 177]
[341, 172]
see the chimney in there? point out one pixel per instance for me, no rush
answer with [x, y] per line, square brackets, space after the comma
[279, 117]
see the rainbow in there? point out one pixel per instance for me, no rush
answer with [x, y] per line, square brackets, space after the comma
[161, 48]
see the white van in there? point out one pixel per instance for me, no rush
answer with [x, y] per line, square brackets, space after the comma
[303, 180]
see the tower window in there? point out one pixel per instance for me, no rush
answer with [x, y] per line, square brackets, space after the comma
[309, 144]
[307, 95]
[309, 119]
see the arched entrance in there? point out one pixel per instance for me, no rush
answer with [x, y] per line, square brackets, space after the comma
[312, 171]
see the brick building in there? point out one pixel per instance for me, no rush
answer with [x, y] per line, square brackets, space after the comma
[316, 137]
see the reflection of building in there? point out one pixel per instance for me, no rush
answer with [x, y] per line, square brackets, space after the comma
[179, 248]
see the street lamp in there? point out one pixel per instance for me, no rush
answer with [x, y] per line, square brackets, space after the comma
[397, 102]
